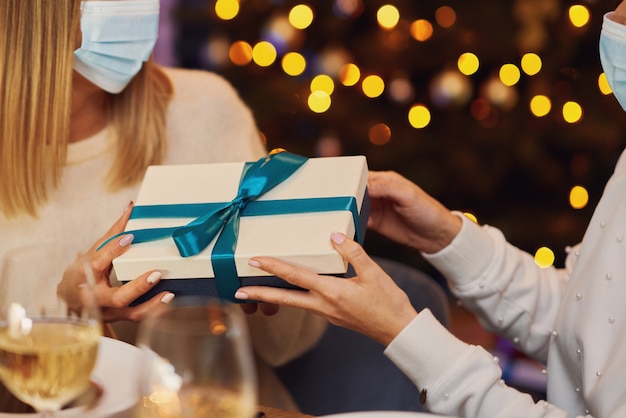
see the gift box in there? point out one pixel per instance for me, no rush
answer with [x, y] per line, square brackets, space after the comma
[199, 224]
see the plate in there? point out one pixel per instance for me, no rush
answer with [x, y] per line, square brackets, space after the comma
[381, 414]
[116, 367]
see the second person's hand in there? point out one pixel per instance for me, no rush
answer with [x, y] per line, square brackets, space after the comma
[369, 303]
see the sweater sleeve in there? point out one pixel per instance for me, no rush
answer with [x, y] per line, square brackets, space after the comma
[458, 379]
[503, 286]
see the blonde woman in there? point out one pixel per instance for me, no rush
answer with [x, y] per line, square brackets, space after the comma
[80, 120]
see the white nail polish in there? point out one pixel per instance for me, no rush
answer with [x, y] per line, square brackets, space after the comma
[154, 277]
[167, 298]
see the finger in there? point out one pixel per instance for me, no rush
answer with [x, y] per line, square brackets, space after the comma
[138, 312]
[122, 296]
[116, 228]
[297, 276]
[269, 309]
[354, 254]
[249, 308]
[277, 296]
[101, 260]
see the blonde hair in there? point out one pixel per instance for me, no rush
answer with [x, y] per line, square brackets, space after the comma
[37, 43]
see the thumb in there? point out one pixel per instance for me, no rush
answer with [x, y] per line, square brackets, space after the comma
[353, 253]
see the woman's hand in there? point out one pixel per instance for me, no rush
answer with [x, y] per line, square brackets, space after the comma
[114, 301]
[369, 303]
[405, 213]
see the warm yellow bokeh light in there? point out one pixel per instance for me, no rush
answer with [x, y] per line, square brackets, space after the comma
[388, 16]
[471, 216]
[468, 63]
[509, 74]
[264, 54]
[531, 63]
[301, 16]
[603, 84]
[373, 86]
[379, 134]
[349, 74]
[240, 53]
[421, 30]
[319, 101]
[544, 257]
[419, 116]
[227, 9]
[293, 63]
[324, 83]
[540, 105]
[572, 112]
[579, 15]
[578, 197]
[445, 16]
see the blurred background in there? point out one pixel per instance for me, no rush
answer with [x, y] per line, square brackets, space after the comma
[497, 108]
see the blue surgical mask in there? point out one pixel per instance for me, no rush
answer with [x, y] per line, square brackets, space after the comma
[613, 57]
[118, 37]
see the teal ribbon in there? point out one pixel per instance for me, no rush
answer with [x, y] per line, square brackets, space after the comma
[222, 219]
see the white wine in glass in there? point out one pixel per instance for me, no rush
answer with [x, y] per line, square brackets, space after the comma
[48, 341]
[198, 362]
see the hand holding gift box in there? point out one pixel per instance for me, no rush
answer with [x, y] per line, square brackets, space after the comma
[199, 224]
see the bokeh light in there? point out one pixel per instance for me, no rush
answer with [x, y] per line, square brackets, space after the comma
[324, 83]
[544, 257]
[579, 15]
[379, 134]
[540, 105]
[468, 63]
[531, 63]
[301, 16]
[572, 112]
[445, 16]
[450, 87]
[349, 74]
[603, 84]
[373, 86]
[419, 116]
[388, 16]
[578, 197]
[421, 30]
[227, 9]
[509, 74]
[293, 63]
[240, 53]
[264, 54]
[319, 101]
[471, 217]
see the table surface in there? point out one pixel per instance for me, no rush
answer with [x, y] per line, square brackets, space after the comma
[279, 413]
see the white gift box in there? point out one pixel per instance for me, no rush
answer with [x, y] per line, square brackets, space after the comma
[300, 238]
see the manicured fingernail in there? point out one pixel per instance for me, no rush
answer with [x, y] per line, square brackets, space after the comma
[128, 205]
[254, 263]
[167, 298]
[126, 240]
[337, 237]
[154, 277]
[241, 295]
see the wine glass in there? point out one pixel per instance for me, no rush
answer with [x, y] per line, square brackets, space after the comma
[198, 362]
[48, 338]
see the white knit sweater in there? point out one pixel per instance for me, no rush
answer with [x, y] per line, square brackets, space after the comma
[572, 319]
[206, 122]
